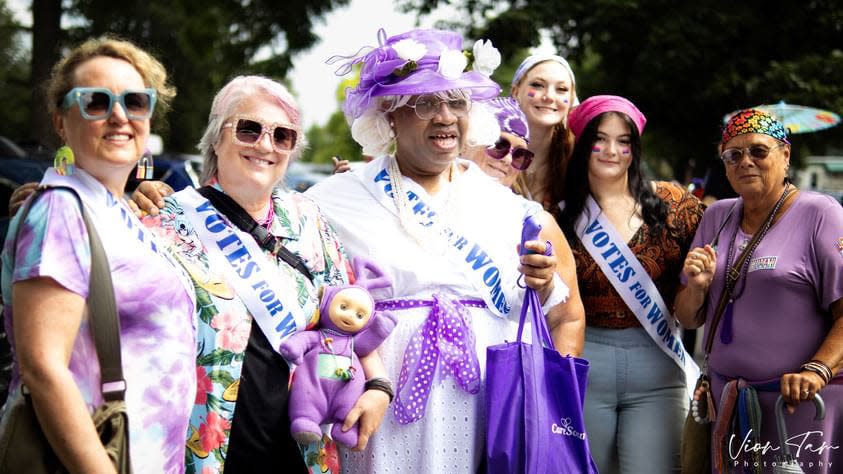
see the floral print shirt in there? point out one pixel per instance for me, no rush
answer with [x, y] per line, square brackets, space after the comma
[224, 322]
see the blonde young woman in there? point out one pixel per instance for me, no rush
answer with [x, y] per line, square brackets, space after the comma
[545, 87]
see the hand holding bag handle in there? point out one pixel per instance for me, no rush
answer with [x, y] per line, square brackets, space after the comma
[23, 447]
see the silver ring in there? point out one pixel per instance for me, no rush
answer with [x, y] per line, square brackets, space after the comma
[805, 393]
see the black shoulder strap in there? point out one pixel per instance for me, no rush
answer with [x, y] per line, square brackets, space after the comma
[239, 217]
[105, 326]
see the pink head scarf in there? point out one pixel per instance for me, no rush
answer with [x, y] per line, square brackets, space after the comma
[581, 115]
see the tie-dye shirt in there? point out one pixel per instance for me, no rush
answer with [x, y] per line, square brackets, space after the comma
[154, 305]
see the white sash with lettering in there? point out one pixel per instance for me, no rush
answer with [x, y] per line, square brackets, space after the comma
[106, 211]
[270, 295]
[635, 286]
[482, 272]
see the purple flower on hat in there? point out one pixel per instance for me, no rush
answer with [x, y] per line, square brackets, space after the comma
[510, 116]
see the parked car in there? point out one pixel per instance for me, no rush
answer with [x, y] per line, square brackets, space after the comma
[300, 175]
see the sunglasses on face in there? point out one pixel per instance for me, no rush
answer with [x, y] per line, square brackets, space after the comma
[249, 131]
[427, 106]
[521, 157]
[97, 103]
[731, 156]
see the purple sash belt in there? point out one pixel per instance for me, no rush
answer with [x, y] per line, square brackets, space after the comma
[445, 334]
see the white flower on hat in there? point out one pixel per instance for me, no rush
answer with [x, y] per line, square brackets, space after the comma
[486, 57]
[452, 63]
[409, 49]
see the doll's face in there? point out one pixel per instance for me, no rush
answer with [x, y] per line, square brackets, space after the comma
[350, 309]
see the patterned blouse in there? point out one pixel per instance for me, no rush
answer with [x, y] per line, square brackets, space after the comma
[224, 322]
[661, 256]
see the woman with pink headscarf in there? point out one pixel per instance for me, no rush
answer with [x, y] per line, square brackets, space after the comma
[629, 237]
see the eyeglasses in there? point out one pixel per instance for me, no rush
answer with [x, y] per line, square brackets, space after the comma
[249, 131]
[521, 157]
[732, 156]
[427, 106]
[97, 103]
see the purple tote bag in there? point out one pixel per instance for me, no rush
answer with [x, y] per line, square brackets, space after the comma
[534, 404]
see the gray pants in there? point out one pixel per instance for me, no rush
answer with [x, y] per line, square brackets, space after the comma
[635, 403]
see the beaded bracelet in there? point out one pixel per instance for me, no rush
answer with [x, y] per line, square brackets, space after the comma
[818, 368]
[381, 383]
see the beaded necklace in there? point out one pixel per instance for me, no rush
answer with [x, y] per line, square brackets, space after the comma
[740, 275]
[426, 236]
[270, 216]
[733, 275]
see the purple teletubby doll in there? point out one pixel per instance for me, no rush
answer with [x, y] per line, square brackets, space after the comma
[329, 378]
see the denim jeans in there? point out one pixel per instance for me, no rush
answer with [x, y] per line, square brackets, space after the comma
[635, 403]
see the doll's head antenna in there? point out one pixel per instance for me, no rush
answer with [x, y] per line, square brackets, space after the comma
[376, 278]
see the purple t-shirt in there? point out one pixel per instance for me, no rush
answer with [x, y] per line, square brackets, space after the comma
[155, 309]
[782, 316]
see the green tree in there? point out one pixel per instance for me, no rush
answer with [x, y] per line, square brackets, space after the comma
[334, 138]
[685, 64]
[14, 76]
[201, 43]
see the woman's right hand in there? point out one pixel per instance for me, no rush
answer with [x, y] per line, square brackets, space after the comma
[699, 267]
[149, 197]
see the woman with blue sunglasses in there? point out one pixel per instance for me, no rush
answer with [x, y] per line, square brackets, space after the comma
[102, 96]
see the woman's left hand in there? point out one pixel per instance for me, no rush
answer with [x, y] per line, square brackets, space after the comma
[538, 268]
[800, 387]
[369, 410]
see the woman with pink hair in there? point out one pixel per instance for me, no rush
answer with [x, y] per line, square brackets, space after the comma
[257, 256]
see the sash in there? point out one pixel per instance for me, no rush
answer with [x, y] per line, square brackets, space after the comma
[481, 271]
[635, 286]
[104, 207]
[262, 288]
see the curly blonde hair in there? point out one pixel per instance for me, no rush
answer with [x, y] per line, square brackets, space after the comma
[150, 69]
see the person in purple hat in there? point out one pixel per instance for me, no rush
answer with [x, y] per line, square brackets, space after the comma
[629, 236]
[509, 156]
[777, 319]
[447, 236]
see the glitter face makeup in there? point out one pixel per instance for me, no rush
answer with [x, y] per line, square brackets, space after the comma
[596, 149]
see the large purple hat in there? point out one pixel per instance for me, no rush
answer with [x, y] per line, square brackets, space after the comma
[418, 62]
[510, 116]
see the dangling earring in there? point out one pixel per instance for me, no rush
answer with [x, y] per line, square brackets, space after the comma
[146, 166]
[391, 129]
[64, 162]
